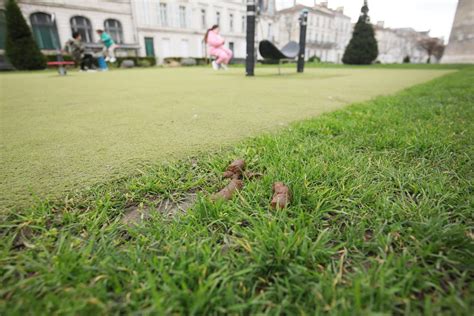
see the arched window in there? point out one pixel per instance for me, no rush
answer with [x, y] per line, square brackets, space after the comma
[83, 26]
[114, 28]
[3, 29]
[45, 31]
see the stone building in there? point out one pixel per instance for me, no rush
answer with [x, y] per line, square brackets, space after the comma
[328, 30]
[343, 32]
[390, 44]
[176, 28]
[266, 28]
[461, 42]
[396, 44]
[411, 44]
[53, 21]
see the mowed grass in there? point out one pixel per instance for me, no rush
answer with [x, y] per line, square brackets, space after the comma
[381, 222]
[59, 134]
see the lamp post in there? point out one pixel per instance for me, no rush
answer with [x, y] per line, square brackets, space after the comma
[250, 58]
[301, 55]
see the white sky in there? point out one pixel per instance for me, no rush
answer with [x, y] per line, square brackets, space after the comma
[422, 15]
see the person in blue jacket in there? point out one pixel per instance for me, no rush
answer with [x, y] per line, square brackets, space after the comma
[109, 46]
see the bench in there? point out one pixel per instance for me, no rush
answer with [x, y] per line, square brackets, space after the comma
[269, 51]
[61, 66]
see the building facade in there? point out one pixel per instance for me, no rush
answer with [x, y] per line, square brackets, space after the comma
[399, 45]
[328, 30]
[266, 28]
[390, 45]
[53, 21]
[412, 47]
[176, 28]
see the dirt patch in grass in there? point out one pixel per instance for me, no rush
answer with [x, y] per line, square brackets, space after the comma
[167, 207]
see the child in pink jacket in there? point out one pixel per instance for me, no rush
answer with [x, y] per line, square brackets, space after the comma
[216, 48]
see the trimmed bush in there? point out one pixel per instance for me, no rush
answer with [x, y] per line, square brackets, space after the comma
[21, 48]
[188, 62]
[144, 63]
[139, 61]
[362, 49]
[314, 59]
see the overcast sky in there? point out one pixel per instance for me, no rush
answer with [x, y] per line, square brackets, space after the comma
[422, 15]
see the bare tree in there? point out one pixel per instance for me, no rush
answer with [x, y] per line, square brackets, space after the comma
[433, 47]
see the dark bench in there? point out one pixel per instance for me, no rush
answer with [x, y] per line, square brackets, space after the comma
[269, 51]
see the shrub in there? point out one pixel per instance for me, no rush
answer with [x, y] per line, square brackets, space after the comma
[362, 49]
[143, 63]
[313, 59]
[199, 60]
[169, 60]
[406, 60]
[151, 61]
[138, 61]
[21, 48]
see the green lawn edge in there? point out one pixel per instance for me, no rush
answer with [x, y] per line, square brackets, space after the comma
[381, 222]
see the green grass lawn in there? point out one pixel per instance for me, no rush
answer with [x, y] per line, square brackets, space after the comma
[381, 219]
[60, 134]
[292, 65]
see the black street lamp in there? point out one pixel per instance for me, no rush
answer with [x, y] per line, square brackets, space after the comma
[303, 23]
[250, 58]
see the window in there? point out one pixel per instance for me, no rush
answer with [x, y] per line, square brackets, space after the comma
[203, 19]
[231, 47]
[231, 22]
[164, 14]
[114, 28]
[165, 47]
[184, 48]
[83, 26]
[218, 17]
[182, 16]
[243, 22]
[3, 29]
[45, 31]
[269, 32]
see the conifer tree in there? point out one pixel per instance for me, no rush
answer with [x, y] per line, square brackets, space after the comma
[20, 47]
[362, 48]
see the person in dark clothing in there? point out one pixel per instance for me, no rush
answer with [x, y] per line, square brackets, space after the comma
[76, 48]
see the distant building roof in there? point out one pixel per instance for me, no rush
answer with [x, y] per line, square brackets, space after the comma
[315, 8]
